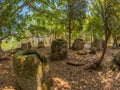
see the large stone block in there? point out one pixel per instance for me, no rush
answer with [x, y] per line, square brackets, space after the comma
[98, 44]
[78, 44]
[32, 70]
[58, 49]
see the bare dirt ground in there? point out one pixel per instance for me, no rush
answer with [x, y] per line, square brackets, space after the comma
[68, 77]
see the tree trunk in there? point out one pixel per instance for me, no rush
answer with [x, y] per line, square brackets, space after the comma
[1, 50]
[55, 35]
[69, 38]
[51, 38]
[91, 39]
[70, 16]
[69, 31]
[104, 51]
[107, 36]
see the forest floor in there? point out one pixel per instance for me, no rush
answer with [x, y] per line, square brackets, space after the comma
[68, 77]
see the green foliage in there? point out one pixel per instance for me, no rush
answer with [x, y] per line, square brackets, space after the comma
[76, 13]
[102, 18]
[55, 17]
[93, 25]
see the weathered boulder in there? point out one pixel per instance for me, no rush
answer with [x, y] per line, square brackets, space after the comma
[41, 44]
[92, 50]
[32, 70]
[116, 59]
[58, 49]
[97, 44]
[24, 46]
[78, 44]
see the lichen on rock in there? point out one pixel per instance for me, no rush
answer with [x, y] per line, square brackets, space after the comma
[78, 44]
[32, 70]
[58, 49]
[97, 43]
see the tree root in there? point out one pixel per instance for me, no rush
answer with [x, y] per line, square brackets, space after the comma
[94, 66]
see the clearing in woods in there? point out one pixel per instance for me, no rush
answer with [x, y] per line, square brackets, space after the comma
[69, 77]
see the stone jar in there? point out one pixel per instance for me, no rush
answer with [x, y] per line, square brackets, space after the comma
[78, 44]
[32, 70]
[58, 49]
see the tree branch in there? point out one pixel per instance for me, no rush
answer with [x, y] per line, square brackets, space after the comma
[14, 35]
[33, 7]
[25, 3]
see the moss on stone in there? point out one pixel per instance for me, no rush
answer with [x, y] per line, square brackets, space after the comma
[31, 70]
[78, 44]
[58, 49]
[97, 43]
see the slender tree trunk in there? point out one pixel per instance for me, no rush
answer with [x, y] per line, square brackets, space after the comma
[70, 32]
[70, 15]
[1, 50]
[92, 38]
[104, 51]
[55, 35]
[107, 36]
[70, 37]
[69, 29]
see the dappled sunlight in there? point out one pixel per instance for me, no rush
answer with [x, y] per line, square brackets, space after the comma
[68, 77]
[80, 79]
[106, 81]
[109, 79]
[7, 88]
[73, 42]
[7, 79]
[61, 84]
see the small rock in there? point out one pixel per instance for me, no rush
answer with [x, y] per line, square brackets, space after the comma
[92, 50]
[81, 52]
